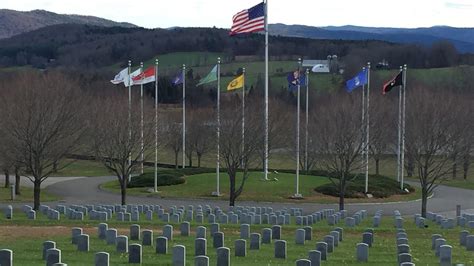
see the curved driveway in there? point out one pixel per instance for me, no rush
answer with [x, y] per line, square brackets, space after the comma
[86, 191]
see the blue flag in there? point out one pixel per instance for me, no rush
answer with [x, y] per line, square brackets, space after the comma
[294, 79]
[178, 79]
[359, 80]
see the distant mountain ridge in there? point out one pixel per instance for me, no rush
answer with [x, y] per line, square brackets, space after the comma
[16, 22]
[462, 38]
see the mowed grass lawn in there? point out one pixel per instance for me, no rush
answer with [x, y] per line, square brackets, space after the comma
[26, 195]
[255, 189]
[25, 238]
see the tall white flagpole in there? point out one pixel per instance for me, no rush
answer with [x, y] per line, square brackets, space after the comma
[217, 192]
[402, 159]
[243, 116]
[367, 132]
[297, 194]
[363, 119]
[306, 126]
[141, 121]
[129, 115]
[184, 116]
[156, 127]
[399, 132]
[266, 92]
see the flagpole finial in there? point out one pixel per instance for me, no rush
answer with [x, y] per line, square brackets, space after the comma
[368, 65]
[218, 60]
[156, 61]
[243, 70]
[141, 64]
[184, 66]
[405, 66]
[129, 62]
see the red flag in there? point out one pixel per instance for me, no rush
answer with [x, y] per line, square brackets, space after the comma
[147, 76]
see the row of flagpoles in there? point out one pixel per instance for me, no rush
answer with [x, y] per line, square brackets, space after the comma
[255, 19]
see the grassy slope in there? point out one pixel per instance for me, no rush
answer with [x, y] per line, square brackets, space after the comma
[27, 248]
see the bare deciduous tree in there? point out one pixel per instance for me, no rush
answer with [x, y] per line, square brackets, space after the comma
[201, 132]
[42, 120]
[173, 134]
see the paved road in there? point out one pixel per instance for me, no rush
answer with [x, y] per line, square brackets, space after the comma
[86, 191]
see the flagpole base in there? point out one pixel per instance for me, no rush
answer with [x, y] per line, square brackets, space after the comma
[297, 196]
[216, 194]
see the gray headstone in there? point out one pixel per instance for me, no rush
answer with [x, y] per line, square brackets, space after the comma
[308, 232]
[135, 216]
[215, 227]
[102, 259]
[266, 236]
[200, 247]
[404, 257]
[168, 232]
[223, 256]
[48, 245]
[134, 232]
[244, 231]
[470, 243]
[31, 215]
[102, 229]
[300, 236]
[135, 253]
[350, 222]
[280, 249]
[179, 255]
[240, 248]
[438, 243]
[255, 241]
[367, 238]
[149, 215]
[315, 257]
[433, 239]
[201, 261]
[218, 239]
[403, 248]
[362, 252]
[161, 245]
[147, 236]
[335, 234]
[185, 228]
[201, 232]
[341, 233]
[6, 257]
[322, 247]
[462, 237]
[401, 241]
[110, 236]
[376, 221]
[398, 222]
[75, 231]
[211, 218]
[330, 241]
[276, 232]
[303, 262]
[53, 255]
[122, 244]
[445, 255]
[83, 242]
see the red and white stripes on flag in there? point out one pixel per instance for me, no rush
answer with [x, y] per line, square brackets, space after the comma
[249, 20]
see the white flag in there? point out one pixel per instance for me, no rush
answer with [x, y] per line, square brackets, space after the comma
[132, 75]
[121, 76]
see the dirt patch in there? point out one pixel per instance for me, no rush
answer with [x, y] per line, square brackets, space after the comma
[12, 232]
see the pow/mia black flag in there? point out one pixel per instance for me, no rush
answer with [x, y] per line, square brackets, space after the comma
[394, 82]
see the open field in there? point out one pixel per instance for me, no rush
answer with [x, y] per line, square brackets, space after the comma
[25, 238]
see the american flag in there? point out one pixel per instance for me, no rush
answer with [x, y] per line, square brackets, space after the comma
[249, 20]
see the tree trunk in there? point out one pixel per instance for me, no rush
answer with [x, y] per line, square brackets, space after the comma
[7, 179]
[232, 196]
[410, 167]
[465, 166]
[342, 190]
[36, 194]
[199, 160]
[341, 201]
[17, 182]
[190, 160]
[123, 190]
[377, 166]
[455, 169]
[424, 202]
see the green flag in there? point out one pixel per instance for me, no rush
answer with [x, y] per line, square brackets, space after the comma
[212, 76]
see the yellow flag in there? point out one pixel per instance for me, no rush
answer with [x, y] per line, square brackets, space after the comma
[236, 83]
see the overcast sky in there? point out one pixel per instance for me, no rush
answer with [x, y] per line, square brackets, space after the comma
[208, 13]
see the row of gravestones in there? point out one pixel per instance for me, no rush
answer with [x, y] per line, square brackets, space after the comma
[464, 220]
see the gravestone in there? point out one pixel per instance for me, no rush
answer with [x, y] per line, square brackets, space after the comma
[266, 236]
[48, 245]
[398, 222]
[201, 261]
[218, 239]
[53, 255]
[135, 253]
[223, 256]
[404, 257]
[161, 245]
[315, 257]
[134, 232]
[350, 222]
[462, 237]
[335, 234]
[341, 232]
[438, 243]
[215, 227]
[147, 236]
[83, 242]
[75, 231]
[240, 248]
[401, 241]
[211, 218]
[300, 237]
[244, 231]
[6, 257]
[110, 236]
[102, 259]
[31, 215]
[322, 247]
[122, 244]
[201, 232]
[308, 232]
[330, 241]
[101, 230]
[254, 241]
[276, 232]
[280, 249]
[403, 248]
[185, 228]
[179, 255]
[168, 232]
[367, 238]
[470, 243]
[445, 255]
[303, 262]
[433, 239]
[200, 247]
[362, 252]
